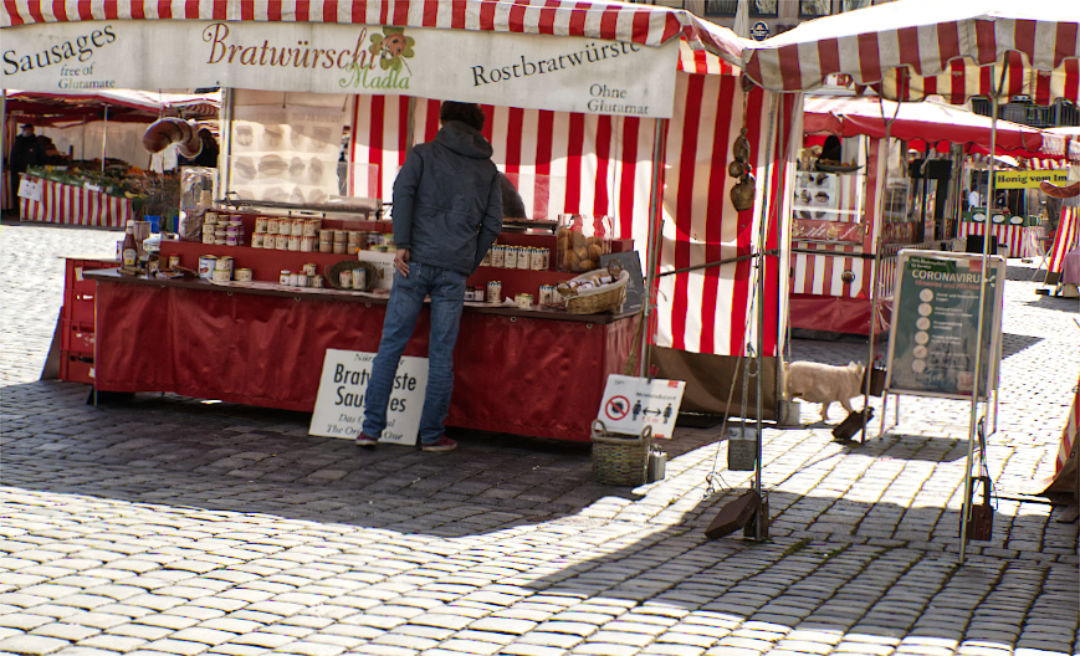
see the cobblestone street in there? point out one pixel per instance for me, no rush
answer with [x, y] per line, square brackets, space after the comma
[169, 526]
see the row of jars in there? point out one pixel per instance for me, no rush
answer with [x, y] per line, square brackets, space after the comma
[222, 230]
[306, 277]
[518, 257]
[492, 293]
[288, 226]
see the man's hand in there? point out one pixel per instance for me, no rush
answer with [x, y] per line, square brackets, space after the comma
[401, 261]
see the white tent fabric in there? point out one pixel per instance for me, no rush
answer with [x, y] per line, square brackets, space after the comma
[618, 21]
[911, 49]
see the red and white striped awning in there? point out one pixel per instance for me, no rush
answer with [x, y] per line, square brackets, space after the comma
[1062, 142]
[911, 49]
[125, 105]
[617, 21]
[921, 123]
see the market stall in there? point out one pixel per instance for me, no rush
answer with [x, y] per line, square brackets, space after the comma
[834, 228]
[605, 148]
[911, 50]
[97, 172]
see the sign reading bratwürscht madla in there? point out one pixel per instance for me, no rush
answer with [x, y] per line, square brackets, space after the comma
[572, 74]
[935, 324]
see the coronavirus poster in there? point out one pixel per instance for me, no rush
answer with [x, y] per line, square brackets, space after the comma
[935, 329]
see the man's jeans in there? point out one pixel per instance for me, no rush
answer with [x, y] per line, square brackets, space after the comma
[447, 291]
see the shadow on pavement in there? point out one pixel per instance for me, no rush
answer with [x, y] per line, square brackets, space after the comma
[1048, 302]
[1024, 272]
[1011, 343]
[224, 457]
[850, 554]
[171, 450]
[934, 449]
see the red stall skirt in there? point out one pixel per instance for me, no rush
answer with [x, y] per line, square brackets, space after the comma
[527, 373]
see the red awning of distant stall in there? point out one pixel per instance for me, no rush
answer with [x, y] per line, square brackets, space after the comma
[919, 124]
[63, 109]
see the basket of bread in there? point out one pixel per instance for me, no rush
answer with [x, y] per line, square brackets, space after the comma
[580, 240]
[601, 290]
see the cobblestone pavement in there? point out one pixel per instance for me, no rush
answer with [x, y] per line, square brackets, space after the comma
[171, 526]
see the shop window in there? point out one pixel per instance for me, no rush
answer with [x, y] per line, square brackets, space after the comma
[850, 5]
[758, 8]
[813, 8]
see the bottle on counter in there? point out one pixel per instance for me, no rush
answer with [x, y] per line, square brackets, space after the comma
[129, 250]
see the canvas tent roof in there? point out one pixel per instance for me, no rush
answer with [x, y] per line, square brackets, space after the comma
[649, 25]
[912, 49]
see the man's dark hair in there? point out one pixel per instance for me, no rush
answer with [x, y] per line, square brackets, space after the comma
[468, 113]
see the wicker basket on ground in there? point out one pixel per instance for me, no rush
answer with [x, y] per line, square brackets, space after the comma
[620, 459]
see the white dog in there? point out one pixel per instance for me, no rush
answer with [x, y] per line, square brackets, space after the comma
[823, 383]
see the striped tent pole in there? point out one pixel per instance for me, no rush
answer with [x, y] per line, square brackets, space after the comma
[1064, 239]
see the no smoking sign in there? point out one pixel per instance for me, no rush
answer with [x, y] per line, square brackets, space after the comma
[631, 403]
[617, 407]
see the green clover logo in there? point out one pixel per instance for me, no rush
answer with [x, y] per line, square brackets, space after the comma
[392, 47]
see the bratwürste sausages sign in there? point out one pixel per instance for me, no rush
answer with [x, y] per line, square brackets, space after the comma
[520, 70]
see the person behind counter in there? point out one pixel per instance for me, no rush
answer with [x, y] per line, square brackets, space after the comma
[25, 152]
[208, 155]
[832, 151]
[447, 213]
[513, 207]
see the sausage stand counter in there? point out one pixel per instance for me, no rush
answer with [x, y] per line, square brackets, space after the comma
[536, 372]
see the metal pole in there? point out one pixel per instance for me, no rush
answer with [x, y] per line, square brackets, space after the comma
[875, 267]
[656, 203]
[104, 138]
[761, 525]
[224, 170]
[3, 143]
[410, 125]
[783, 261]
[974, 415]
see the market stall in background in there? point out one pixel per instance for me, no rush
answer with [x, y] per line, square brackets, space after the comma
[923, 174]
[646, 161]
[1060, 244]
[996, 49]
[96, 171]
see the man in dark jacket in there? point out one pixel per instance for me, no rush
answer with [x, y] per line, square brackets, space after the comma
[25, 152]
[447, 213]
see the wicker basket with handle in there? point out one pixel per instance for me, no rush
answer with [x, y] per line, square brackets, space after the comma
[600, 290]
[620, 459]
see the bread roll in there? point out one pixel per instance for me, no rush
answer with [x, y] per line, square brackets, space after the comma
[272, 165]
[244, 168]
[245, 135]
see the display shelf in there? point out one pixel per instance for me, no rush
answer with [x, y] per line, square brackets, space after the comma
[525, 281]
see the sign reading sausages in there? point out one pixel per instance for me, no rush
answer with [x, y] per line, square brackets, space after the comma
[339, 406]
